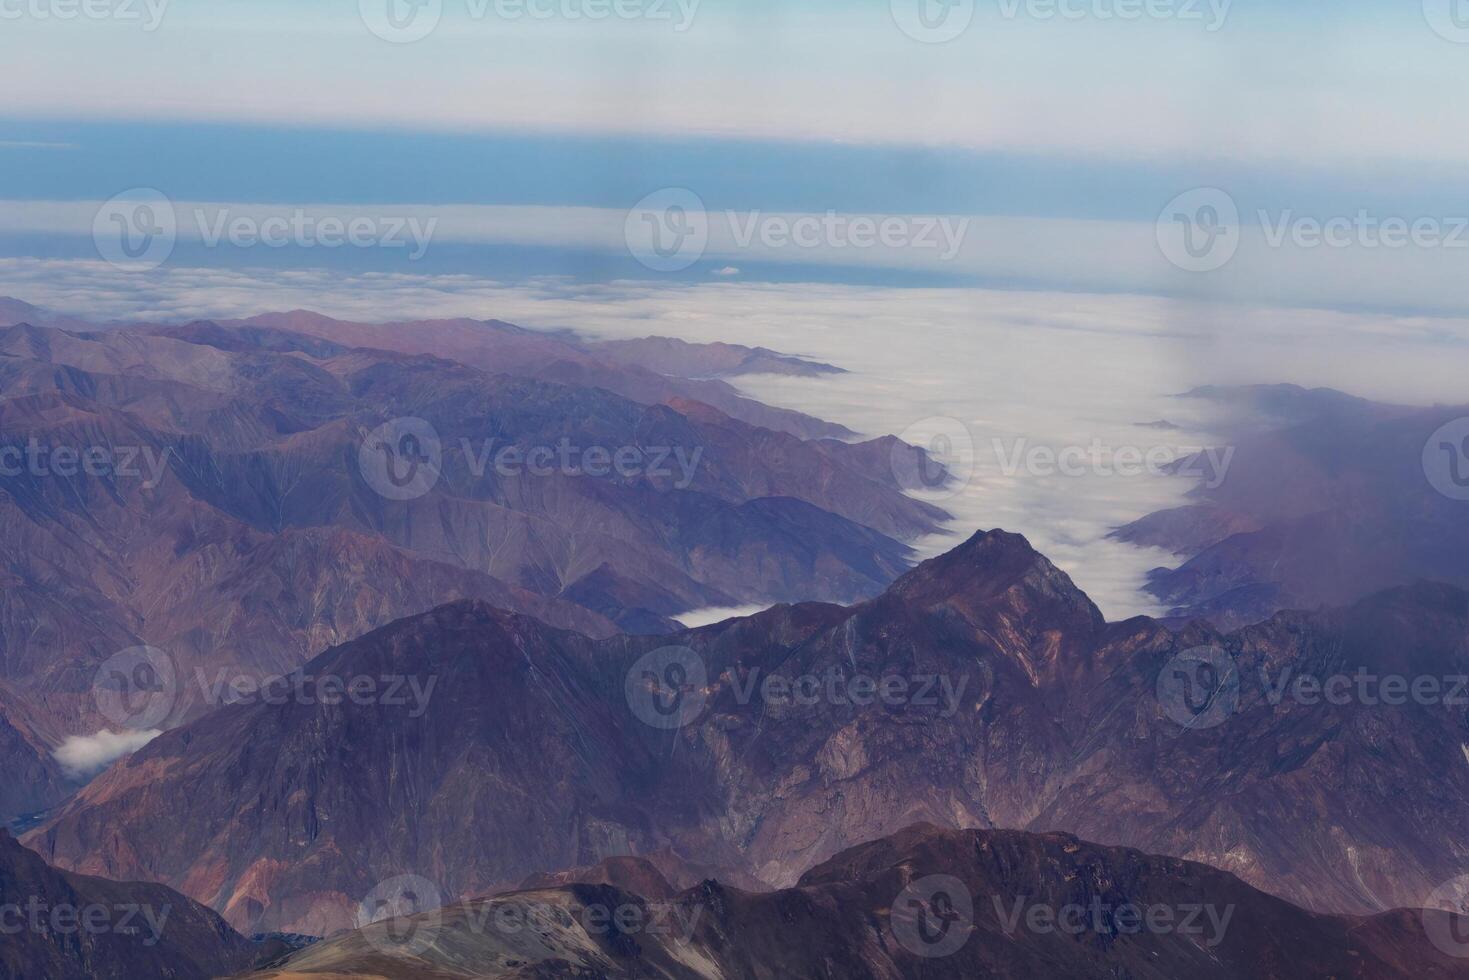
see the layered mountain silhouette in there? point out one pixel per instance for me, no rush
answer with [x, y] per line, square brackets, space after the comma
[981, 690]
[924, 902]
[1327, 499]
[72, 927]
[207, 490]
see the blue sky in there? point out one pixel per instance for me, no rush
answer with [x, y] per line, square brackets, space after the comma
[1074, 123]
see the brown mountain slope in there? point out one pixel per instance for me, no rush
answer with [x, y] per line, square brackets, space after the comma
[982, 689]
[923, 903]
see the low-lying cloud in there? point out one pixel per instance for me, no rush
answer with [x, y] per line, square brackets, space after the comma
[84, 756]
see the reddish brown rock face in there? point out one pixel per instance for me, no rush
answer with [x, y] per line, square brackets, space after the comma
[982, 689]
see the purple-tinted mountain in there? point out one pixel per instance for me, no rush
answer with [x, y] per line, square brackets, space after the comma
[503, 348]
[34, 781]
[14, 311]
[981, 690]
[925, 902]
[62, 926]
[210, 497]
[1328, 498]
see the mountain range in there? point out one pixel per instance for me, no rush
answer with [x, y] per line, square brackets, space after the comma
[1328, 498]
[925, 902]
[213, 491]
[981, 690]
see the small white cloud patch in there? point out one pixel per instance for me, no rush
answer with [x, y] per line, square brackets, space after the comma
[83, 756]
[695, 618]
